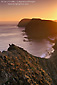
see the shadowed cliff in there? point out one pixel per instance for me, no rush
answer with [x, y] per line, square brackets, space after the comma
[38, 28]
[23, 22]
[18, 67]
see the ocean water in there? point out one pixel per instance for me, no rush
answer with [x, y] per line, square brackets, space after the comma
[11, 34]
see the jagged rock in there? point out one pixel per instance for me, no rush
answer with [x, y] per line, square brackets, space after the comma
[55, 46]
[18, 67]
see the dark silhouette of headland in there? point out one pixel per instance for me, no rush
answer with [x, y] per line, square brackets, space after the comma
[38, 28]
[23, 22]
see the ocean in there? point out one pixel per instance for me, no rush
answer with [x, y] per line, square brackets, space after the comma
[11, 34]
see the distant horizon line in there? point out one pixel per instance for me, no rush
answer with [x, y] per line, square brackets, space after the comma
[21, 19]
[27, 18]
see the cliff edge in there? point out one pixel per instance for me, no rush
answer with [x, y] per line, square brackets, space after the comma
[38, 28]
[18, 67]
[23, 22]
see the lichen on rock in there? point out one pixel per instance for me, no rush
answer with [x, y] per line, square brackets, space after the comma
[18, 67]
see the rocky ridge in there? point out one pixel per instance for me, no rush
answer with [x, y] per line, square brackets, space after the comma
[18, 67]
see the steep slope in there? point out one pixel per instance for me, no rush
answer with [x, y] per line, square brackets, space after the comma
[23, 22]
[18, 67]
[38, 28]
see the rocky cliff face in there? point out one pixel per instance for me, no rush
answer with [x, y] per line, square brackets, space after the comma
[18, 67]
[38, 28]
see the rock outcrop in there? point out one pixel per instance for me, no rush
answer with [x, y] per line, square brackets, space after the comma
[18, 67]
[23, 22]
[38, 28]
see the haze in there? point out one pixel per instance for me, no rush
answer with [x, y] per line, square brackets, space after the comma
[44, 9]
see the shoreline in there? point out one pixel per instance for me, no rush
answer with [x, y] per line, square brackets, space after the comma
[20, 67]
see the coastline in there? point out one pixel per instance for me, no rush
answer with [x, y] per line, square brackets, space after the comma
[20, 67]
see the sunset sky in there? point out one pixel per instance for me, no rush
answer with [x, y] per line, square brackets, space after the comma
[45, 9]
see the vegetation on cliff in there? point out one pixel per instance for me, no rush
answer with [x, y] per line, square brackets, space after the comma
[18, 67]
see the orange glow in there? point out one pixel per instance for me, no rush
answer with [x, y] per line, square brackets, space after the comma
[38, 10]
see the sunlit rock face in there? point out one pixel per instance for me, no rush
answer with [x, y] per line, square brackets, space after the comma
[18, 67]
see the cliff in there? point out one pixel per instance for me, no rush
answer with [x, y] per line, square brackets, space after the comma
[23, 22]
[38, 28]
[18, 67]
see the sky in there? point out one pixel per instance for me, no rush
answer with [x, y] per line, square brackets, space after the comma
[44, 9]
